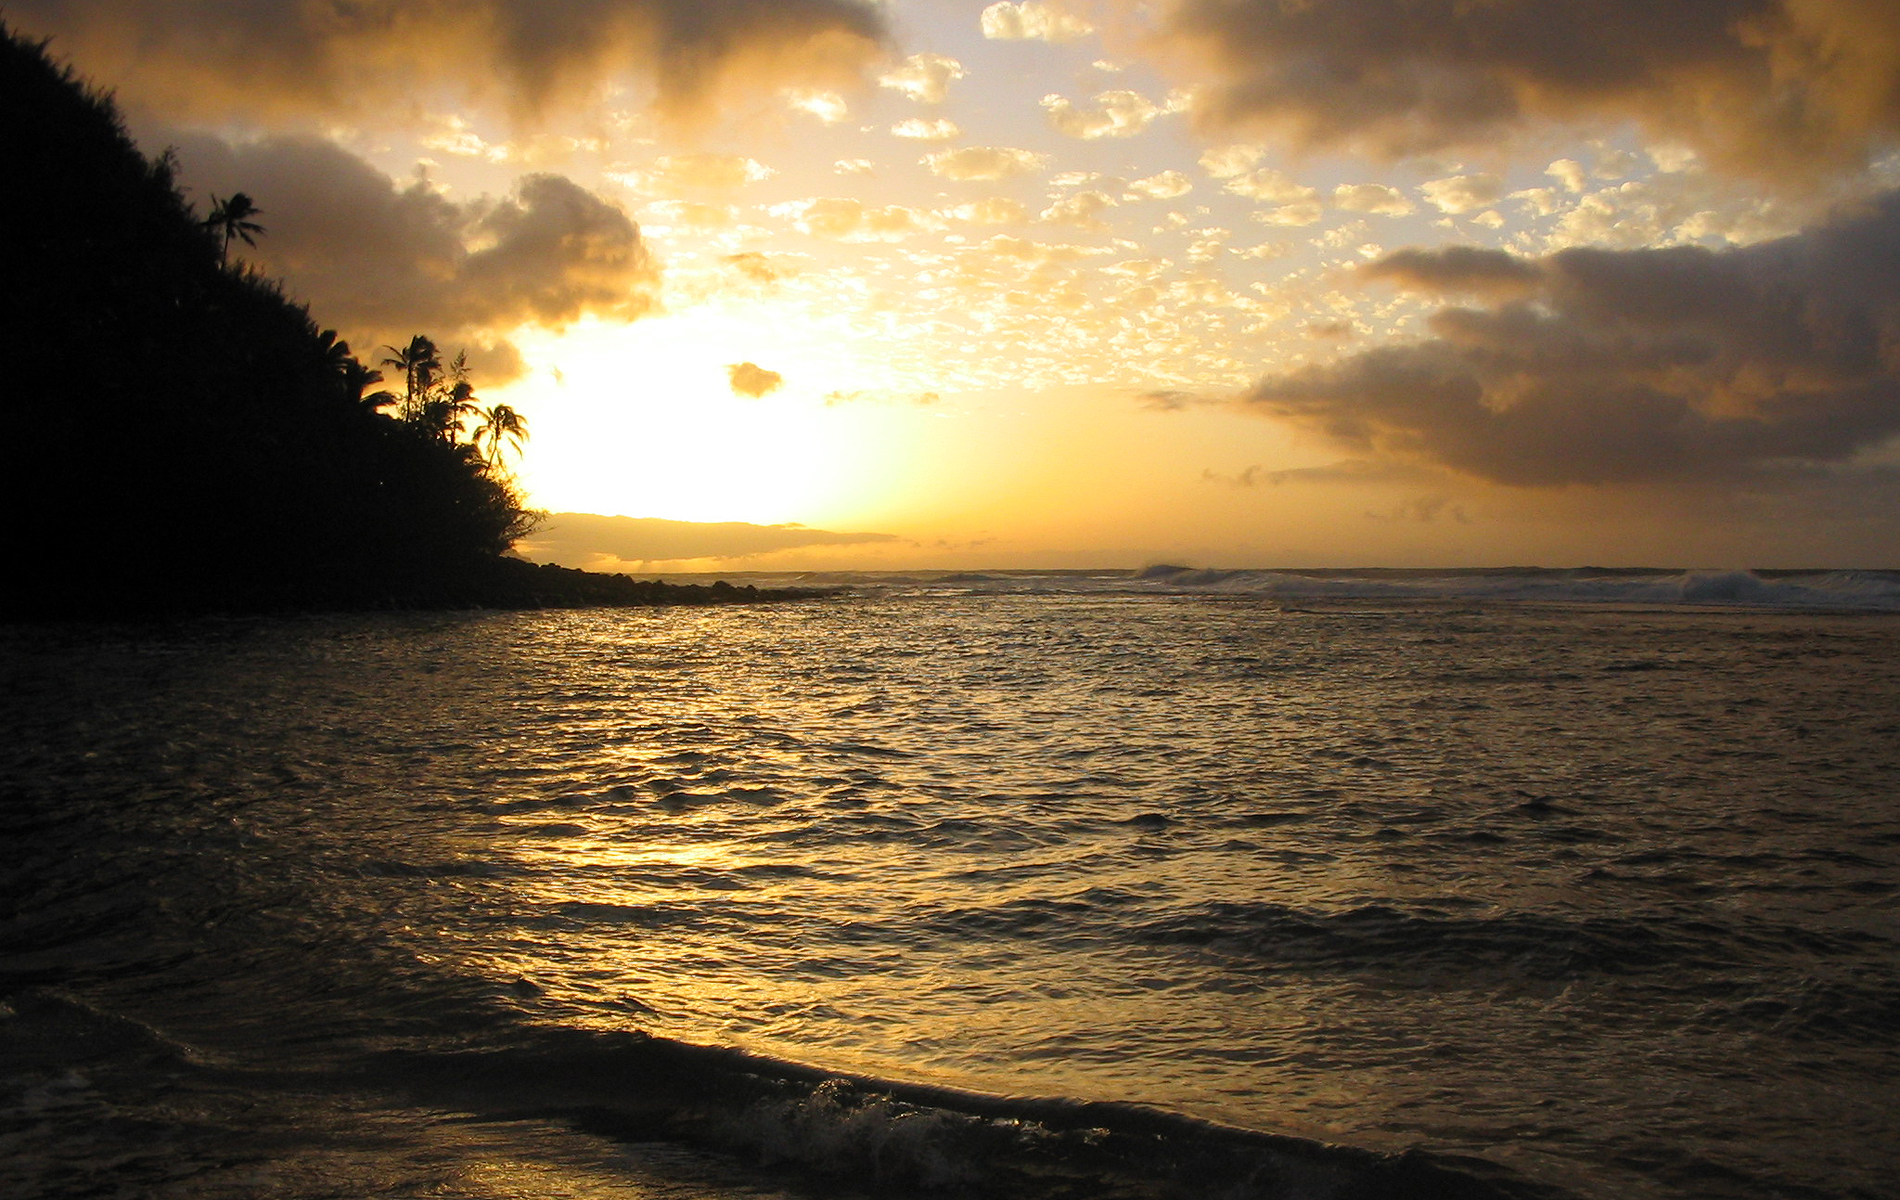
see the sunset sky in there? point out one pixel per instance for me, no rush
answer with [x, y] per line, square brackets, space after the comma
[1227, 282]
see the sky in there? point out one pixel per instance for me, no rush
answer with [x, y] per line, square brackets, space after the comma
[822, 284]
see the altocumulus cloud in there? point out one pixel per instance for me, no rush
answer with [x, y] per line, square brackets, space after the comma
[383, 261]
[267, 58]
[985, 162]
[924, 77]
[1032, 21]
[1601, 366]
[1765, 85]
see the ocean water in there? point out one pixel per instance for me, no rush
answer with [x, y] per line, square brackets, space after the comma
[1174, 883]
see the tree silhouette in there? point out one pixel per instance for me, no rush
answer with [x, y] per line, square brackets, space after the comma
[357, 378]
[447, 409]
[447, 403]
[419, 363]
[279, 484]
[232, 218]
[501, 426]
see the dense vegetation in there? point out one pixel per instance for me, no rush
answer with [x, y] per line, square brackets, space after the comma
[184, 436]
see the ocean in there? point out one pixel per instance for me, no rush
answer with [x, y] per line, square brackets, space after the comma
[1172, 883]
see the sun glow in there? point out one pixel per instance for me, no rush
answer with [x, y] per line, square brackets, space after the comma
[643, 420]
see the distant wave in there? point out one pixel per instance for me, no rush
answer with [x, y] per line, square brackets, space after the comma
[1856, 591]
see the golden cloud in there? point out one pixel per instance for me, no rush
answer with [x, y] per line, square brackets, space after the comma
[1372, 198]
[841, 218]
[984, 162]
[677, 173]
[921, 130]
[1116, 114]
[1165, 186]
[924, 77]
[1032, 21]
[750, 379]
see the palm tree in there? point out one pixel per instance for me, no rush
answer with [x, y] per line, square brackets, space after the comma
[232, 218]
[419, 363]
[444, 402]
[501, 426]
[333, 350]
[357, 379]
[447, 408]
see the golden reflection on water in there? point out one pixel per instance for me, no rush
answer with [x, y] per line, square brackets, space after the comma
[1344, 874]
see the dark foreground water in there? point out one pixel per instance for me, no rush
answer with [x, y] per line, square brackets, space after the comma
[971, 889]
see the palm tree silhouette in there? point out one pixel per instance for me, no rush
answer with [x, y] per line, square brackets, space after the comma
[501, 426]
[420, 363]
[444, 412]
[451, 403]
[357, 379]
[232, 218]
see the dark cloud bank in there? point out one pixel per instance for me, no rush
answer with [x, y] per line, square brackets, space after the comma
[382, 261]
[1596, 366]
[269, 58]
[1761, 84]
[582, 539]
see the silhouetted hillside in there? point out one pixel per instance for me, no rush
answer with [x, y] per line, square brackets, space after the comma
[182, 435]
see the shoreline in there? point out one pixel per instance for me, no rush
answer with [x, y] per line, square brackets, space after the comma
[503, 584]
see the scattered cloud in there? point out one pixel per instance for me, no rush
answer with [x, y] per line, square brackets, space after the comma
[693, 215]
[1032, 21]
[1423, 510]
[984, 162]
[1272, 187]
[1348, 471]
[1083, 210]
[828, 107]
[1116, 114]
[1225, 162]
[841, 218]
[750, 379]
[1247, 477]
[674, 174]
[1165, 186]
[754, 266]
[453, 135]
[921, 130]
[1304, 212]
[924, 77]
[1372, 198]
[1570, 174]
[1169, 400]
[992, 210]
[1463, 193]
